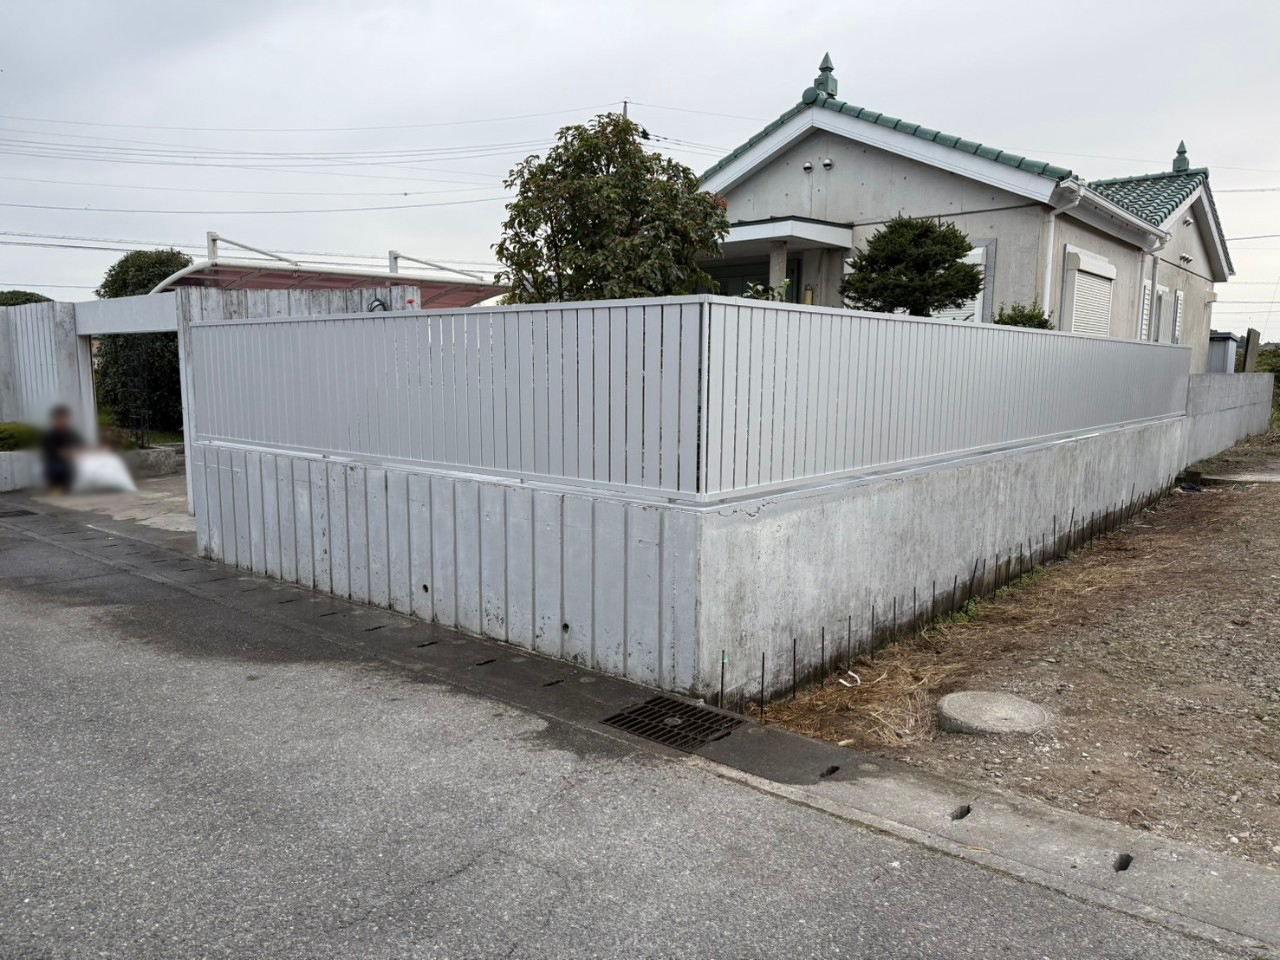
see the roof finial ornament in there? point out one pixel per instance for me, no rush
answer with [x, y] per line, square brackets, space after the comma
[826, 80]
[1180, 163]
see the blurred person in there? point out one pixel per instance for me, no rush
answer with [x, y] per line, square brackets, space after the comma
[61, 446]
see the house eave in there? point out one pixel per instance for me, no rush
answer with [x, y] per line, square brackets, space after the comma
[991, 172]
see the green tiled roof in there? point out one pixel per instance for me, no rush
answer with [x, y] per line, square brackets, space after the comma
[1152, 196]
[1155, 196]
[822, 96]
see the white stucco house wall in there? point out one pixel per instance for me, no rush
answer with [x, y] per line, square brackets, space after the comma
[1132, 257]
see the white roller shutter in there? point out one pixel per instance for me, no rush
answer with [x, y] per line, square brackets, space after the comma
[1091, 305]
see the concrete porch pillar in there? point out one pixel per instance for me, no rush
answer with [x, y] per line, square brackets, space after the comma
[777, 264]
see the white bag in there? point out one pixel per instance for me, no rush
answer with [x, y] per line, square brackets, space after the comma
[101, 472]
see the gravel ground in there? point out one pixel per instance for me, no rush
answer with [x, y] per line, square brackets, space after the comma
[1158, 650]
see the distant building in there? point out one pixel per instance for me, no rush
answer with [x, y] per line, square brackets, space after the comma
[1131, 257]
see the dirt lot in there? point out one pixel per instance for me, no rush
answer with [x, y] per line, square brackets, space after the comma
[1158, 650]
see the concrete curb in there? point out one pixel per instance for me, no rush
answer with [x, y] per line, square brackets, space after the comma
[1168, 883]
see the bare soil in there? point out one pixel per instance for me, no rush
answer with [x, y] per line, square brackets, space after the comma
[1158, 651]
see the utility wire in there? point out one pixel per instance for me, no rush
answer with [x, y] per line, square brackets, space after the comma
[132, 244]
[397, 126]
[274, 193]
[227, 213]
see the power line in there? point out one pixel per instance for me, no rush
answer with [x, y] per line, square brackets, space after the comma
[399, 126]
[274, 193]
[51, 286]
[133, 244]
[149, 149]
[705, 113]
[1261, 236]
[252, 213]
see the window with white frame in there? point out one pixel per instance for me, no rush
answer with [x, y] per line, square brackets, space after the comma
[971, 310]
[1177, 317]
[1162, 321]
[1088, 288]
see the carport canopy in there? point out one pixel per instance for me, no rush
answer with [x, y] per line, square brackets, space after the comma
[277, 272]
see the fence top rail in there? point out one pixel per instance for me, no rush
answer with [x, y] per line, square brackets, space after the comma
[701, 298]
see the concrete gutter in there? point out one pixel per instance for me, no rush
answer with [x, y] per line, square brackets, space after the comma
[1202, 894]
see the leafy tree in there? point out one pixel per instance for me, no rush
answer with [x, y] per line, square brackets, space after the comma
[15, 298]
[914, 265]
[138, 272]
[137, 375]
[1022, 315]
[603, 218]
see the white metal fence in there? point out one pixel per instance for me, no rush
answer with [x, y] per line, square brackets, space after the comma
[28, 362]
[795, 393]
[690, 398]
[606, 395]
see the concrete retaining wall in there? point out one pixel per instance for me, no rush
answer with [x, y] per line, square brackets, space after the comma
[1224, 408]
[19, 469]
[807, 565]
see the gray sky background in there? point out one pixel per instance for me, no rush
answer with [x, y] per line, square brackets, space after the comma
[1105, 88]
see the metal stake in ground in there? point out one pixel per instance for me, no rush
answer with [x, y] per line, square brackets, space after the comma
[848, 642]
[724, 659]
[761, 684]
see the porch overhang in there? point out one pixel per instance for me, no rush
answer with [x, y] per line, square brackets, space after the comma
[756, 238]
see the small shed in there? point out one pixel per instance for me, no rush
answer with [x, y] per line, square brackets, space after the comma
[1222, 352]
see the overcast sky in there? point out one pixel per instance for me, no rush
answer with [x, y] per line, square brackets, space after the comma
[108, 99]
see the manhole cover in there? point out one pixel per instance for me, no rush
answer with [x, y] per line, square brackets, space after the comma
[17, 513]
[674, 723]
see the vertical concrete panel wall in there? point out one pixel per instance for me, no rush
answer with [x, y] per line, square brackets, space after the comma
[603, 582]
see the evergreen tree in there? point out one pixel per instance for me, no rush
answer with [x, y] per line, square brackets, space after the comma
[137, 376]
[16, 298]
[912, 265]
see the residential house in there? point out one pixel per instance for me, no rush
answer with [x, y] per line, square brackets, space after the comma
[1132, 257]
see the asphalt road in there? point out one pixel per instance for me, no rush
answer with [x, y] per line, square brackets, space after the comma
[182, 779]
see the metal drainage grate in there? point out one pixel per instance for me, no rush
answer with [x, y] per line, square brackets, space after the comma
[674, 723]
[17, 513]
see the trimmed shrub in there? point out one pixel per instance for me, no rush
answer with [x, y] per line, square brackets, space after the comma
[18, 436]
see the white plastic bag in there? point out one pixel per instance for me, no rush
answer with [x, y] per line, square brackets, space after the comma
[101, 472]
